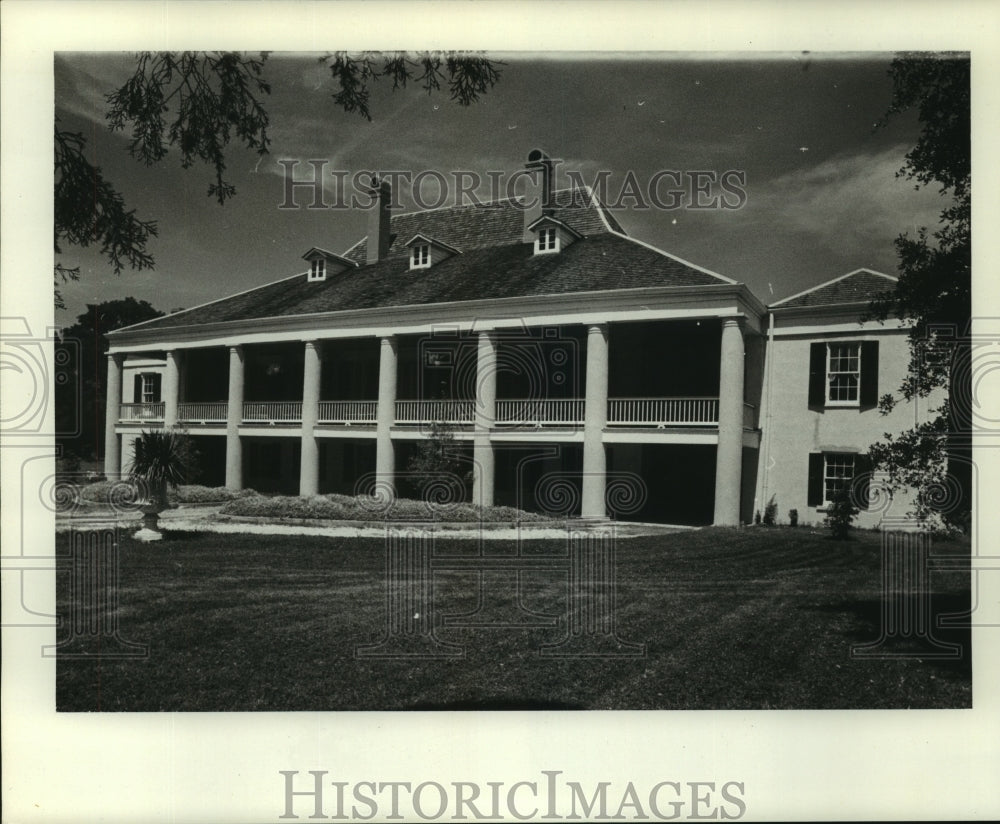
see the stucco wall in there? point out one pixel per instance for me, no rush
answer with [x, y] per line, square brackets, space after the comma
[135, 366]
[792, 430]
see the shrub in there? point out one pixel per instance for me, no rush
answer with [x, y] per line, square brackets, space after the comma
[793, 517]
[345, 508]
[98, 492]
[841, 513]
[756, 517]
[196, 494]
[770, 512]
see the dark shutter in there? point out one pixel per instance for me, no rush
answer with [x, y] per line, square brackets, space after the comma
[862, 474]
[869, 374]
[137, 389]
[815, 493]
[157, 383]
[817, 375]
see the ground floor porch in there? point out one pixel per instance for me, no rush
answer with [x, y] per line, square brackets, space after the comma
[664, 478]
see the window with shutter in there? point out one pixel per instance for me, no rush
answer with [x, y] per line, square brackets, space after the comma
[843, 374]
[829, 472]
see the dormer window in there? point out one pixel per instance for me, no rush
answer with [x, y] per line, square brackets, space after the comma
[323, 263]
[551, 235]
[426, 251]
[548, 240]
[420, 256]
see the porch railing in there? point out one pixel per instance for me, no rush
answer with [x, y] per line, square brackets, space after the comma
[140, 412]
[541, 412]
[445, 411]
[347, 412]
[702, 411]
[272, 412]
[662, 411]
[203, 412]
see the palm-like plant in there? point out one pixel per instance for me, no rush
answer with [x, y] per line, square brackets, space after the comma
[162, 460]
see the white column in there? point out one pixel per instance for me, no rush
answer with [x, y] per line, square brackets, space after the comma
[729, 453]
[113, 399]
[595, 417]
[486, 412]
[385, 459]
[309, 464]
[234, 417]
[171, 389]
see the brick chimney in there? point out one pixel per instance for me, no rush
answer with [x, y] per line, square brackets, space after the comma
[378, 221]
[538, 192]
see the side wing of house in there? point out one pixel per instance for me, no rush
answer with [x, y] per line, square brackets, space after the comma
[826, 370]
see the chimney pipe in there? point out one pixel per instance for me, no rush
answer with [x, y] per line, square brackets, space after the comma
[377, 245]
[538, 192]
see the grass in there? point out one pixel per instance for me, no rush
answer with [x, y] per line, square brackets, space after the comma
[751, 619]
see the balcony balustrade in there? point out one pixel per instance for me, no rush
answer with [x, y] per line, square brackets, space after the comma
[637, 412]
[442, 411]
[663, 411]
[141, 412]
[347, 412]
[202, 412]
[272, 412]
[536, 412]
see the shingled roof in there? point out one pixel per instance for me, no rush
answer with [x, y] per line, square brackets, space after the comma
[494, 263]
[859, 286]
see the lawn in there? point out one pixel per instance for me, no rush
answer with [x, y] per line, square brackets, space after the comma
[731, 619]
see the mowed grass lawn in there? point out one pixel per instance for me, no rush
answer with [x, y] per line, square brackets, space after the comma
[731, 619]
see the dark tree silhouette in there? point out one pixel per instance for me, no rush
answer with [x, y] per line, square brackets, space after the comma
[80, 401]
[199, 103]
[933, 295]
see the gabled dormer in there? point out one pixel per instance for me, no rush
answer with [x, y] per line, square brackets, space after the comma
[323, 263]
[551, 235]
[425, 251]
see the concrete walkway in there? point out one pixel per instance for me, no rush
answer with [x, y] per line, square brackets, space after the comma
[208, 519]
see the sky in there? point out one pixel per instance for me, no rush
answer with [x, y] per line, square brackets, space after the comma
[822, 194]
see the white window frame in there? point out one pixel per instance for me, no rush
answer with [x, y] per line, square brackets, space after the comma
[846, 459]
[547, 240]
[317, 271]
[147, 392]
[831, 373]
[420, 256]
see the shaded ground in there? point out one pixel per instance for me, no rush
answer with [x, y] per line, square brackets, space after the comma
[751, 619]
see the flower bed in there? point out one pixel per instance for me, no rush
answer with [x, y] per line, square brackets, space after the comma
[103, 491]
[346, 508]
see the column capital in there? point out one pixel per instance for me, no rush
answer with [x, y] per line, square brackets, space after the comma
[736, 320]
[597, 328]
[116, 357]
[236, 348]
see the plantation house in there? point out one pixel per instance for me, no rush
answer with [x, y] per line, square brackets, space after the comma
[577, 370]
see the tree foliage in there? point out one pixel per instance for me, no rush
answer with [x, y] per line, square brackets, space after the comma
[80, 400]
[88, 209]
[200, 104]
[933, 294]
[211, 98]
[467, 77]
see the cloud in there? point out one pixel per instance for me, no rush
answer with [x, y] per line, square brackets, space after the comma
[848, 198]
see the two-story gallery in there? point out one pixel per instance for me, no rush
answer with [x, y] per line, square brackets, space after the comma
[574, 369]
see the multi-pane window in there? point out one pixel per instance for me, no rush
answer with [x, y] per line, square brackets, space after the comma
[318, 270]
[843, 371]
[421, 256]
[838, 470]
[547, 239]
[148, 393]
